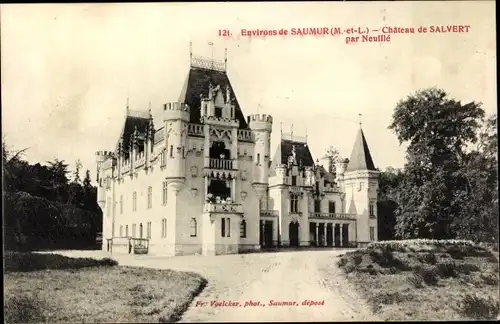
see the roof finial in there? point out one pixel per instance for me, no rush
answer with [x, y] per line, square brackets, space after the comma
[359, 120]
[225, 59]
[281, 129]
[190, 52]
[149, 107]
[128, 100]
[291, 132]
[306, 135]
[211, 44]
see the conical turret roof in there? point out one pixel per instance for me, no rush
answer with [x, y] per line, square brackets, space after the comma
[361, 159]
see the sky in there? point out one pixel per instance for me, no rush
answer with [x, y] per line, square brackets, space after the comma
[68, 69]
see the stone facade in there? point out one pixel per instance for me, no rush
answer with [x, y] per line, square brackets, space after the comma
[203, 182]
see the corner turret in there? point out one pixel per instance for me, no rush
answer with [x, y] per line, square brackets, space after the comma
[261, 126]
[176, 118]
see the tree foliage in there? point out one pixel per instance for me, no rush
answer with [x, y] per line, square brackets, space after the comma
[42, 208]
[449, 184]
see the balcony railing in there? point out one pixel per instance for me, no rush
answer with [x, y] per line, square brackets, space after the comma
[272, 213]
[221, 164]
[223, 208]
[333, 215]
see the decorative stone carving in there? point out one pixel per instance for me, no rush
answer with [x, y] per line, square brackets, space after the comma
[243, 194]
[244, 175]
[194, 192]
[194, 171]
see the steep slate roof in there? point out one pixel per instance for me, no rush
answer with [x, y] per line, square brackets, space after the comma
[131, 122]
[197, 82]
[284, 150]
[361, 159]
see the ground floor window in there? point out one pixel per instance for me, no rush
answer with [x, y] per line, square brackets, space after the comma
[164, 227]
[225, 227]
[372, 233]
[193, 227]
[243, 229]
[148, 230]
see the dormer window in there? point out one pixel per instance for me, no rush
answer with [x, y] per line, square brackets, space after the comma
[218, 112]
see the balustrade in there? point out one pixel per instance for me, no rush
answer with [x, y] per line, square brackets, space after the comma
[333, 215]
[221, 164]
[273, 213]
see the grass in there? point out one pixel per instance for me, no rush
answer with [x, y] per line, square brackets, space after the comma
[426, 280]
[71, 291]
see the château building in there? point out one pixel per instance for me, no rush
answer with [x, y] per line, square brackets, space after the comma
[202, 180]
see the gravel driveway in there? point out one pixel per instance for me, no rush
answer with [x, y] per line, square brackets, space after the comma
[242, 287]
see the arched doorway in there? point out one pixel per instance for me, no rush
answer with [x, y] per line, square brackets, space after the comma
[293, 232]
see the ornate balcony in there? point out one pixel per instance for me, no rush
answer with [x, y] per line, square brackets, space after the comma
[225, 208]
[221, 164]
[332, 216]
[269, 213]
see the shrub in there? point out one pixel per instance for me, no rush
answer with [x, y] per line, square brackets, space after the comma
[447, 269]
[357, 259]
[467, 268]
[348, 268]
[415, 280]
[489, 278]
[23, 309]
[342, 261]
[429, 258]
[25, 262]
[428, 274]
[478, 307]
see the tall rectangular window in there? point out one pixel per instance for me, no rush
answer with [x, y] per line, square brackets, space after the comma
[194, 227]
[225, 227]
[148, 230]
[317, 206]
[294, 180]
[331, 207]
[121, 204]
[133, 230]
[134, 201]
[121, 230]
[372, 208]
[126, 230]
[372, 233]
[164, 193]
[140, 230]
[164, 227]
[222, 227]
[163, 158]
[171, 151]
[294, 204]
[150, 197]
[243, 229]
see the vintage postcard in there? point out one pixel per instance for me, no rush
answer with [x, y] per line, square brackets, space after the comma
[249, 161]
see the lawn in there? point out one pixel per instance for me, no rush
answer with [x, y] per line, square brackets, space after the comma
[51, 288]
[426, 280]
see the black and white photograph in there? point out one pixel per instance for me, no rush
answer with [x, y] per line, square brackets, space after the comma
[249, 162]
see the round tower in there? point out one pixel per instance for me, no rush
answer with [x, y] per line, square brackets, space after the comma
[261, 125]
[101, 157]
[176, 119]
[340, 167]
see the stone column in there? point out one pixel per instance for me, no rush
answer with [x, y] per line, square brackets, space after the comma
[341, 237]
[324, 236]
[317, 236]
[233, 190]
[206, 187]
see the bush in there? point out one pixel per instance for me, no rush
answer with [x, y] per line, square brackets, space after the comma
[467, 268]
[447, 269]
[23, 309]
[489, 278]
[25, 262]
[477, 307]
[415, 280]
[428, 275]
[429, 258]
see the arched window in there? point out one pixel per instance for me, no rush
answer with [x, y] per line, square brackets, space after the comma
[243, 229]
[194, 227]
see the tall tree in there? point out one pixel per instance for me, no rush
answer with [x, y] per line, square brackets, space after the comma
[438, 130]
[333, 153]
[389, 181]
